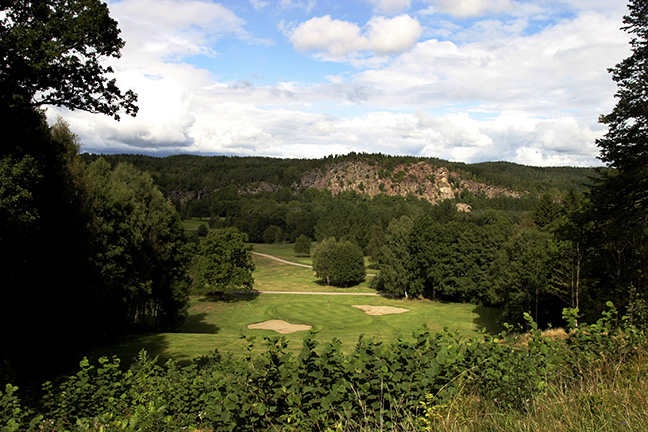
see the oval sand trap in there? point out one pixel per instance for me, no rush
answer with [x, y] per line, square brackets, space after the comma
[380, 310]
[280, 326]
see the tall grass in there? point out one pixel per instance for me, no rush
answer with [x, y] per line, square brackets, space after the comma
[610, 397]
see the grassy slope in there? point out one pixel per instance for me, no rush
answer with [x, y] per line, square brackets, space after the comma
[612, 397]
[219, 324]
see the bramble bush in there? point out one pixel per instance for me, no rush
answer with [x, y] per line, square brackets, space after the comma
[378, 386]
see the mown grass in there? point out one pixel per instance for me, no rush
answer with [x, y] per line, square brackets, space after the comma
[271, 275]
[219, 325]
[285, 251]
[222, 325]
[193, 224]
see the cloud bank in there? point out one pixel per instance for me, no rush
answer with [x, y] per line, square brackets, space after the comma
[461, 80]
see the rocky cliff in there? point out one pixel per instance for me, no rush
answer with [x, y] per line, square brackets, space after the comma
[421, 179]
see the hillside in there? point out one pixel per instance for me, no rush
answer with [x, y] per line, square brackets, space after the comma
[421, 179]
[188, 177]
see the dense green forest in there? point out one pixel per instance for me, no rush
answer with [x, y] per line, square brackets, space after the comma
[528, 252]
[196, 175]
[93, 247]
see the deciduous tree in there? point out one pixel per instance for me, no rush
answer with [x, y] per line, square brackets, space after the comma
[323, 258]
[53, 53]
[395, 276]
[302, 246]
[521, 274]
[340, 263]
[143, 253]
[225, 262]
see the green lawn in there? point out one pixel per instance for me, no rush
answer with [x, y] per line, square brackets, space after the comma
[284, 251]
[271, 275]
[219, 325]
[192, 224]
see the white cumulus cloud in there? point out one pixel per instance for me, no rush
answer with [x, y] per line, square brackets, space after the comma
[338, 38]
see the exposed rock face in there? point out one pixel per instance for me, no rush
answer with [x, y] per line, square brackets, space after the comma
[463, 207]
[420, 179]
[261, 187]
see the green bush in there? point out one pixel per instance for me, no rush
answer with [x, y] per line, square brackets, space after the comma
[402, 385]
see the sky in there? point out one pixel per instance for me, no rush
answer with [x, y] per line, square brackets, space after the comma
[463, 80]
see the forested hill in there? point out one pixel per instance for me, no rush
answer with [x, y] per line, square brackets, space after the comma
[432, 179]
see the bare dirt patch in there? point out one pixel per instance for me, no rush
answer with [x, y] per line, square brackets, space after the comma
[380, 310]
[280, 326]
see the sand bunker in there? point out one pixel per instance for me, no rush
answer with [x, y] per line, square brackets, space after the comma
[280, 326]
[380, 310]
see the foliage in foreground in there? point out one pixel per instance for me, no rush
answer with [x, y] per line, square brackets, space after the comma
[408, 385]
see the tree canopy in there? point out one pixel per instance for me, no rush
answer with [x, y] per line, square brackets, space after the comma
[61, 244]
[339, 262]
[143, 255]
[625, 145]
[53, 53]
[225, 262]
[619, 202]
[302, 245]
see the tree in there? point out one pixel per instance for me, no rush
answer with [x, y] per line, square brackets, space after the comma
[572, 230]
[348, 264]
[620, 199]
[625, 145]
[394, 276]
[323, 258]
[375, 243]
[53, 53]
[225, 262]
[202, 230]
[545, 211]
[142, 252]
[302, 246]
[340, 263]
[272, 234]
[46, 247]
[521, 274]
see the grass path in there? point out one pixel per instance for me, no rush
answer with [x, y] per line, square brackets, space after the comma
[272, 257]
[374, 294]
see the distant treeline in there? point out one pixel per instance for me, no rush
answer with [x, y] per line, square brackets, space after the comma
[186, 173]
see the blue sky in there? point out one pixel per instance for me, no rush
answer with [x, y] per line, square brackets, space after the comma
[464, 80]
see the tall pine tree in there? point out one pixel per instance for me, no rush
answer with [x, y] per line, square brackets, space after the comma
[620, 200]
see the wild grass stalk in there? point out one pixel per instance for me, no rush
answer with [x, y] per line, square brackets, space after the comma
[605, 399]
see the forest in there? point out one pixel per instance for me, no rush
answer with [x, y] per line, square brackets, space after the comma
[537, 251]
[93, 247]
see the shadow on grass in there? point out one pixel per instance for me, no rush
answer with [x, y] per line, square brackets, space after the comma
[233, 297]
[195, 323]
[488, 318]
[322, 283]
[128, 348]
